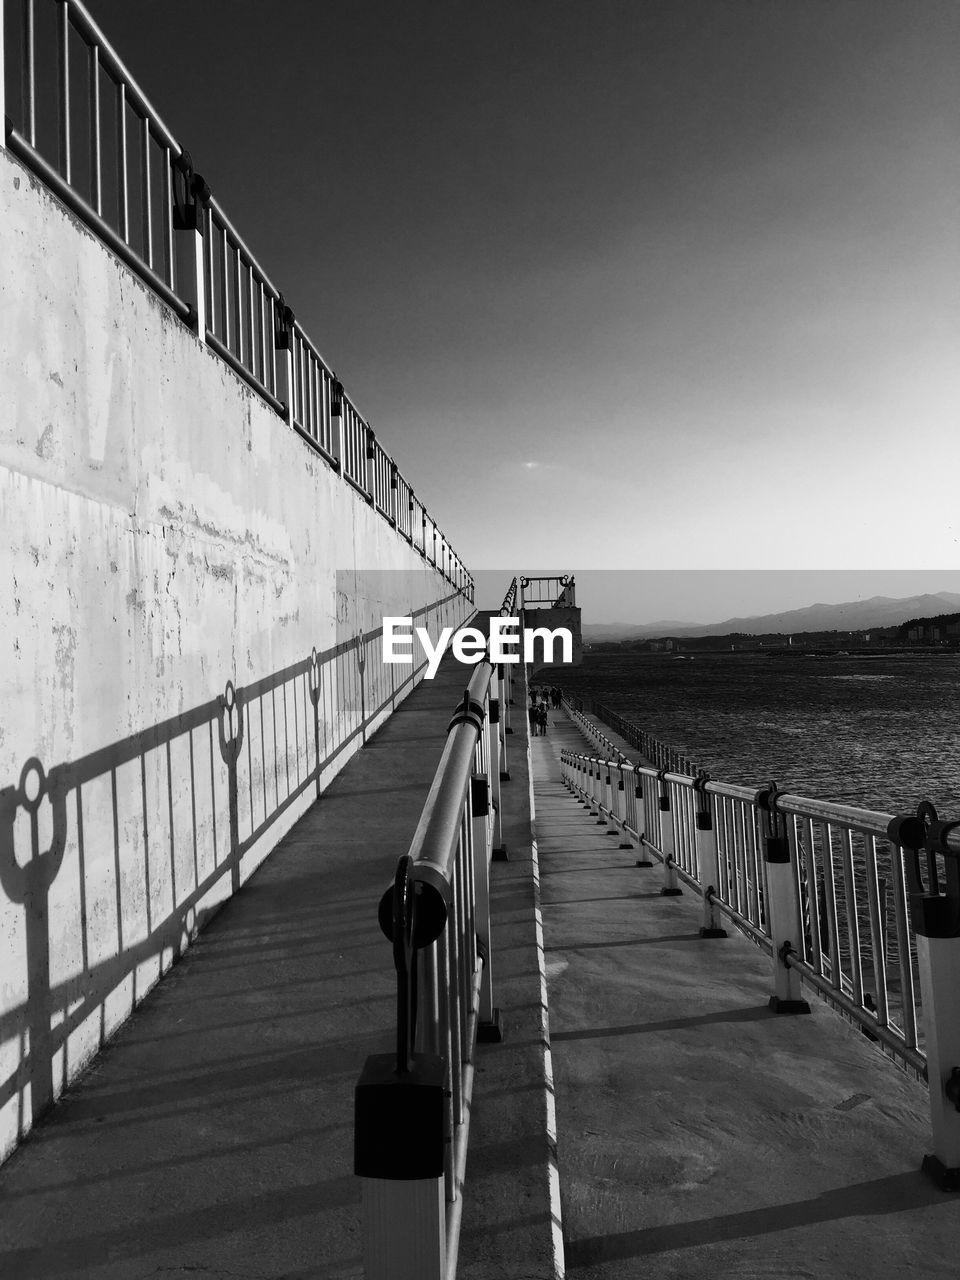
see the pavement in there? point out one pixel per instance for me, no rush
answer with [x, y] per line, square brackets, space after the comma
[700, 1134]
[212, 1137]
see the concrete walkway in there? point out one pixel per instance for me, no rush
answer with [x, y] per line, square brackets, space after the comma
[213, 1136]
[698, 1133]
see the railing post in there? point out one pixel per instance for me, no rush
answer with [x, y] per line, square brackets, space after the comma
[284, 348]
[782, 905]
[667, 841]
[497, 762]
[191, 196]
[594, 785]
[370, 463]
[336, 412]
[707, 858]
[399, 1122]
[935, 918]
[603, 789]
[625, 841]
[489, 1027]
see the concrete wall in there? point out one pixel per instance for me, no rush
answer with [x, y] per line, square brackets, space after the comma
[164, 534]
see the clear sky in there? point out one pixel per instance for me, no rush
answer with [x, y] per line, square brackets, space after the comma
[714, 595]
[649, 284]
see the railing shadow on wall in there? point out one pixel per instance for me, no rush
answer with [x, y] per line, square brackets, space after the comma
[116, 860]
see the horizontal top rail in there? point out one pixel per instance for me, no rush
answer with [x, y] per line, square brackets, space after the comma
[226, 225]
[114, 63]
[434, 843]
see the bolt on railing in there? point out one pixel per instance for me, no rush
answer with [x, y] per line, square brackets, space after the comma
[412, 1107]
[76, 116]
[824, 888]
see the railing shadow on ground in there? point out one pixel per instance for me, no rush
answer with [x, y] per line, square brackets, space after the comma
[112, 863]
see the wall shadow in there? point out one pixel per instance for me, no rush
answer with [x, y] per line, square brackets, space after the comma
[110, 864]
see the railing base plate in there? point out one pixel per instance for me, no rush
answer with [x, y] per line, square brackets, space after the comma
[713, 933]
[644, 862]
[499, 854]
[670, 893]
[946, 1179]
[788, 1006]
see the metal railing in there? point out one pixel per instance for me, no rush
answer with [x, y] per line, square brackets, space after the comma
[412, 1107]
[76, 116]
[852, 942]
[652, 749]
[864, 906]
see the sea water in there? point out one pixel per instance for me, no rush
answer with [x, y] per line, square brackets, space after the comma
[878, 732]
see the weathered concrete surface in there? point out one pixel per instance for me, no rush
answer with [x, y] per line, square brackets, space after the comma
[699, 1134]
[164, 532]
[213, 1136]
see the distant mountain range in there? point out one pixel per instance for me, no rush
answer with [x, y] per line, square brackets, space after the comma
[854, 615]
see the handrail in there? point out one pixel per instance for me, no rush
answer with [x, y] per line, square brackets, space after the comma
[169, 229]
[412, 1108]
[863, 906]
[852, 940]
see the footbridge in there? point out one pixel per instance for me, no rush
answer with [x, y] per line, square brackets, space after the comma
[314, 967]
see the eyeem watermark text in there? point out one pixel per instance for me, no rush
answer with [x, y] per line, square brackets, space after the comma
[470, 645]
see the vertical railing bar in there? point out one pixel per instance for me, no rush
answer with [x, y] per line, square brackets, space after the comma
[876, 928]
[63, 48]
[123, 194]
[908, 993]
[266, 341]
[445, 1023]
[212, 299]
[147, 195]
[829, 887]
[237, 307]
[813, 895]
[256, 367]
[740, 853]
[225, 272]
[96, 161]
[455, 998]
[850, 905]
[167, 161]
[29, 71]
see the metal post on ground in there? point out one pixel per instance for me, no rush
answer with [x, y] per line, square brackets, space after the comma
[707, 858]
[191, 197]
[489, 1027]
[935, 918]
[621, 798]
[399, 1123]
[667, 841]
[645, 819]
[782, 903]
[497, 765]
[594, 788]
[603, 791]
[370, 464]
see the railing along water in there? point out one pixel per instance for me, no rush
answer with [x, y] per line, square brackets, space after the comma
[836, 895]
[412, 1108]
[76, 116]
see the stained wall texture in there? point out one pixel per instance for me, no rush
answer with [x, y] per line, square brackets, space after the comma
[189, 645]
